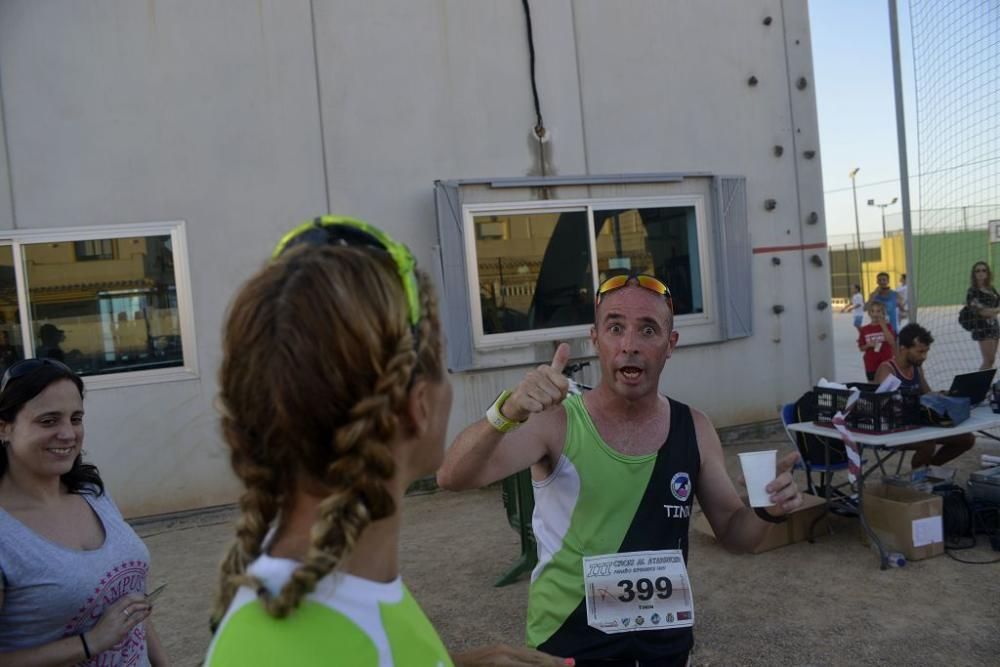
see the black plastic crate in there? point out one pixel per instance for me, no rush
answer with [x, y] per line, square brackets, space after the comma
[872, 413]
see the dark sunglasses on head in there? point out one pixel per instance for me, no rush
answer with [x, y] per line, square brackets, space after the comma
[21, 368]
[644, 280]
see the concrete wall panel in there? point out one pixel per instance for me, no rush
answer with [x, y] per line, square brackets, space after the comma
[216, 113]
[127, 112]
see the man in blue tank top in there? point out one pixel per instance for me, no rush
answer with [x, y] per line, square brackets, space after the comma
[912, 347]
[615, 473]
[889, 297]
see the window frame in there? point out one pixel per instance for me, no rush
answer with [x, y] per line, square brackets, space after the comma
[498, 341]
[176, 230]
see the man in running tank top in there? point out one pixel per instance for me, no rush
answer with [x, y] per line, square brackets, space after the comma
[912, 346]
[615, 473]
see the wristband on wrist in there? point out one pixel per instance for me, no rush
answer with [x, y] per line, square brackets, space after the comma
[497, 419]
[86, 649]
[770, 518]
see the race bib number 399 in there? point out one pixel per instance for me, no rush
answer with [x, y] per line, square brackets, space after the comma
[641, 590]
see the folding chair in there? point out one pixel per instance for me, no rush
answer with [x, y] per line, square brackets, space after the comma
[825, 456]
[519, 503]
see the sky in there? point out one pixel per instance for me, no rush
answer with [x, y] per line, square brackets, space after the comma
[852, 62]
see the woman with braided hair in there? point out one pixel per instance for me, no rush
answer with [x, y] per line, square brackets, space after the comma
[334, 398]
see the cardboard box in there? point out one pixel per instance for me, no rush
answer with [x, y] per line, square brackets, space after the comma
[796, 529]
[905, 520]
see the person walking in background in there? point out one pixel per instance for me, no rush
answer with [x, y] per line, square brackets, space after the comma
[985, 303]
[72, 571]
[889, 297]
[856, 306]
[876, 340]
[902, 291]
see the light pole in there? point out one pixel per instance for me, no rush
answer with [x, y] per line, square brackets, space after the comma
[871, 202]
[857, 226]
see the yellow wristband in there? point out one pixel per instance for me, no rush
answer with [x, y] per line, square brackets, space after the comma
[496, 418]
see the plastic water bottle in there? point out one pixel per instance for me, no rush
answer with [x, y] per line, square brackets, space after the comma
[896, 559]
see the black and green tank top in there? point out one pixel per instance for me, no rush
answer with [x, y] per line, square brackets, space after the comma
[598, 501]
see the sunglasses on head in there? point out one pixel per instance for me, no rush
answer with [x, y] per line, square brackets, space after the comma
[643, 280]
[21, 368]
[342, 230]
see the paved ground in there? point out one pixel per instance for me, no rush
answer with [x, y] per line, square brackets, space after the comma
[806, 604]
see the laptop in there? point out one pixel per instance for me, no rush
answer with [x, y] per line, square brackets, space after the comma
[974, 386]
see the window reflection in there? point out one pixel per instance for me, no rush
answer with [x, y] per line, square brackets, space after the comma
[11, 345]
[105, 306]
[659, 241]
[535, 268]
[534, 271]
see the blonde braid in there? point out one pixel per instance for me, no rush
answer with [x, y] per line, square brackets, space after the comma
[258, 505]
[309, 416]
[359, 475]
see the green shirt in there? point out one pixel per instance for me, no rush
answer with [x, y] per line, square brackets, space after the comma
[345, 621]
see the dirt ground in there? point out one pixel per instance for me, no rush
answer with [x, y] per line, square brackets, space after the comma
[805, 604]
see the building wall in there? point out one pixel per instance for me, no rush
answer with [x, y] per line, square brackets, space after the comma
[232, 117]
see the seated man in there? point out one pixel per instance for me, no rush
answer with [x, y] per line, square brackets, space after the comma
[913, 344]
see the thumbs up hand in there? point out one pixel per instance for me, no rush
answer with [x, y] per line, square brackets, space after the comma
[540, 389]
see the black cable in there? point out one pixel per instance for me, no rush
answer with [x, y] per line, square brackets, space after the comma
[970, 562]
[964, 520]
[539, 125]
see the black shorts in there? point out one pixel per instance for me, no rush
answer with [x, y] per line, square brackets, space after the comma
[986, 328]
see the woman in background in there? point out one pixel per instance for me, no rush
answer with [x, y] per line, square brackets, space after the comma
[985, 302]
[334, 398]
[72, 572]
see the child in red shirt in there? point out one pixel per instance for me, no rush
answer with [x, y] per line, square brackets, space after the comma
[876, 339]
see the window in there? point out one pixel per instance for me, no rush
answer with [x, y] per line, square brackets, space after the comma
[112, 303]
[541, 273]
[11, 345]
[96, 249]
[519, 259]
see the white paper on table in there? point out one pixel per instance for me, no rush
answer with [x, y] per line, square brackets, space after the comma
[826, 384]
[928, 531]
[890, 384]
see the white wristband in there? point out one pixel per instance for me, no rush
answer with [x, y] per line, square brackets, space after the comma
[496, 418]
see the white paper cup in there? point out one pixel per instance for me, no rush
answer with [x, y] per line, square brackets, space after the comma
[878, 346]
[759, 470]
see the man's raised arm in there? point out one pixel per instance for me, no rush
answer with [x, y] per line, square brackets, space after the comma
[484, 452]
